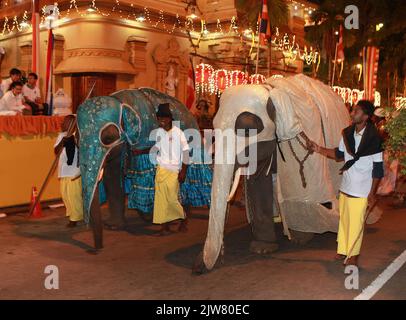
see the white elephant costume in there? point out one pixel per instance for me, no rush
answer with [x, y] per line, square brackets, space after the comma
[308, 105]
[283, 108]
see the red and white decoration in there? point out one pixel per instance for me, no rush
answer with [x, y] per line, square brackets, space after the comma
[352, 96]
[213, 81]
[370, 58]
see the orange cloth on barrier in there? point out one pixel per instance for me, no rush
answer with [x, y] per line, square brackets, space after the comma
[30, 125]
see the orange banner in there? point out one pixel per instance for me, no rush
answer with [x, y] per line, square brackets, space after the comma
[29, 125]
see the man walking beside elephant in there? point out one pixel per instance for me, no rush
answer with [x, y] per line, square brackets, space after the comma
[361, 149]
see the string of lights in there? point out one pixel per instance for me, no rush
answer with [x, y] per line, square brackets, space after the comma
[287, 44]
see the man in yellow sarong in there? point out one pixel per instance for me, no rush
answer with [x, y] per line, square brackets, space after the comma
[361, 149]
[69, 171]
[172, 155]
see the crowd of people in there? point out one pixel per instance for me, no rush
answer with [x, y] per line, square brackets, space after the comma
[20, 95]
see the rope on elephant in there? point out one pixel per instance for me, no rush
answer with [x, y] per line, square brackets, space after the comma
[301, 162]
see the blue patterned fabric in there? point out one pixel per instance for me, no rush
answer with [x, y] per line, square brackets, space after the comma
[141, 177]
[92, 116]
[196, 190]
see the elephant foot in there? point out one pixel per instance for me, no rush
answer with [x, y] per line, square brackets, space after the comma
[301, 238]
[262, 247]
[93, 251]
[199, 267]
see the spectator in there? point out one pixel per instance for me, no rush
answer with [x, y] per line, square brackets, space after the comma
[13, 100]
[32, 95]
[15, 76]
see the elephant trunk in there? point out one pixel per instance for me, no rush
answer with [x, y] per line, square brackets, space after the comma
[222, 178]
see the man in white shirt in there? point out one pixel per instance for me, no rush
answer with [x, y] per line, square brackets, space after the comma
[361, 149]
[69, 171]
[13, 100]
[15, 76]
[32, 94]
[172, 156]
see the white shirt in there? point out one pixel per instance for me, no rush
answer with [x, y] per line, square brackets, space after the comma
[65, 170]
[10, 102]
[5, 85]
[171, 145]
[31, 94]
[357, 180]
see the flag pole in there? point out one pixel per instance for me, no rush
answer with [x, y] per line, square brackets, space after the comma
[259, 41]
[334, 66]
[35, 36]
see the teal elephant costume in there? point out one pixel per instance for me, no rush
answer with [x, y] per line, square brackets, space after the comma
[117, 124]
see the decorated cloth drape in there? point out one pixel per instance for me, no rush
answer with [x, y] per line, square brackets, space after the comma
[370, 60]
[29, 125]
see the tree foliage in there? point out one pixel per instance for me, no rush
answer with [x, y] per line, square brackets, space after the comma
[396, 143]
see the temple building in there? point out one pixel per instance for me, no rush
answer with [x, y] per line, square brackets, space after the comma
[128, 44]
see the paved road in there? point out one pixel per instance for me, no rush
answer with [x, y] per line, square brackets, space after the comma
[137, 265]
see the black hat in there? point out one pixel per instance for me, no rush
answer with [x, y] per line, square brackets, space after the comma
[164, 111]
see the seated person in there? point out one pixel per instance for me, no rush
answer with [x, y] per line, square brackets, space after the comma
[32, 95]
[13, 100]
[15, 76]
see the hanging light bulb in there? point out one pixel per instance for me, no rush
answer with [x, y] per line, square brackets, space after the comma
[91, 9]
[140, 18]
[192, 14]
[24, 24]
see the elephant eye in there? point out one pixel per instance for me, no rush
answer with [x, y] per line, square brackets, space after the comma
[109, 135]
[247, 121]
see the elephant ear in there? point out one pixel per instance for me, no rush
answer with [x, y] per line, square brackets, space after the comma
[131, 123]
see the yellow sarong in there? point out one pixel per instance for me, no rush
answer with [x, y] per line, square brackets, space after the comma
[71, 192]
[166, 203]
[352, 217]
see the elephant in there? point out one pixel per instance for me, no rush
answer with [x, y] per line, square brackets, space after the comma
[287, 113]
[110, 127]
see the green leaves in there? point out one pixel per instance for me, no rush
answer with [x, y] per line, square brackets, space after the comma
[396, 143]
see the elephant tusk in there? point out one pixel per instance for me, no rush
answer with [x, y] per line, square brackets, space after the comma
[235, 184]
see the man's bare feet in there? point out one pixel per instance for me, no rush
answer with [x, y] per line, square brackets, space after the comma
[71, 224]
[339, 256]
[164, 231]
[183, 226]
[352, 261]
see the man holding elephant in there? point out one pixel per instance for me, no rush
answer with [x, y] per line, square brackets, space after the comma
[361, 149]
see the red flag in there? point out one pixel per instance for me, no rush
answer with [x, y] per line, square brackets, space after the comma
[370, 61]
[190, 99]
[340, 46]
[264, 23]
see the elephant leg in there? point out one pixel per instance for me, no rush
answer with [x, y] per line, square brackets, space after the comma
[114, 185]
[96, 221]
[259, 189]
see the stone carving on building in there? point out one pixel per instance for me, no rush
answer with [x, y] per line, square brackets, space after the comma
[137, 50]
[171, 82]
[171, 69]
